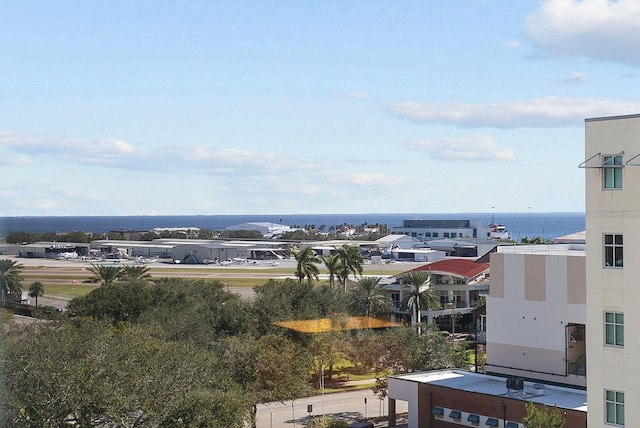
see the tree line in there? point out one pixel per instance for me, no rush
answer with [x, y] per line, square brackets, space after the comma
[300, 233]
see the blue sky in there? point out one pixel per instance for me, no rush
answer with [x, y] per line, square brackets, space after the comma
[282, 107]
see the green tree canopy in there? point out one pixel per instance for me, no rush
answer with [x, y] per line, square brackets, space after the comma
[288, 300]
[61, 373]
[36, 289]
[18, 237]
[199, 312]
[134, 273]
[269, 368]
[194, 311]
[369, 298]
[104, 274]
[306, 264]
[421, 296]
[10, 278]
[121, 301]
[350, 262]
[332, 263]
[542, 417]
[273, 367]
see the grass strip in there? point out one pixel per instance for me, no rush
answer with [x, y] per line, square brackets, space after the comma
[67, 291]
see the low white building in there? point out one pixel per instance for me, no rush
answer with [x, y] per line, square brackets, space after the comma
[414, 254]
[425, 230]
[198, 253]
[397, 241]
[454, 398]
[459, 282]
[267, 229]
[53, 250]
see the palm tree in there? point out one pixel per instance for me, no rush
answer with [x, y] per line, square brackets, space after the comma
[134, 273]
[350, 262]
[332, 263]
[10, 278]
[105, 274]
[369, 298]
[36, 290]
[421, 296]
[307, 260]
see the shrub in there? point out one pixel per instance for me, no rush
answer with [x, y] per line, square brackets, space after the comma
[327, 422]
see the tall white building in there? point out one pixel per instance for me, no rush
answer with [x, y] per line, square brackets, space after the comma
[536, 313]
[612, 181]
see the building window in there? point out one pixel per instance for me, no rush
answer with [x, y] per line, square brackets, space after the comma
[613, 256]
[614, 329]
[395, 297]
[446, 234]
[435, 234]
[614, 408]
[612, 172]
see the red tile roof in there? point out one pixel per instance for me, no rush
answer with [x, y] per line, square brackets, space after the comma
[459, 267]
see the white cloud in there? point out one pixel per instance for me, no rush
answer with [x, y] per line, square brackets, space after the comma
[513, 44]
[537, 113]
[452, 149]
[7, 157]
[574, 78]
[26, 147]
[603, 30]
[357, 95]
[307, 189]
[17, 148]
[34, 197]
[366, 179]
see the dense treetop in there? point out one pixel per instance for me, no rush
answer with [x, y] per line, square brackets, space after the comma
[180, 352]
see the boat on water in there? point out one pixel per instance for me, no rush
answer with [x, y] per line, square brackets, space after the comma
[498, 232]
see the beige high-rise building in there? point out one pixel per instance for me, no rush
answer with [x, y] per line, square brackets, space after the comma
[612, 182]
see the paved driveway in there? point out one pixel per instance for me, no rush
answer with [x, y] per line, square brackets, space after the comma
[349, 406]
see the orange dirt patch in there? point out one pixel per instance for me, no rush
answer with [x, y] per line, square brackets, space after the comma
[323, 325]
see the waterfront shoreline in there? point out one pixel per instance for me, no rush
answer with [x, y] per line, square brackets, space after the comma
[520, 225]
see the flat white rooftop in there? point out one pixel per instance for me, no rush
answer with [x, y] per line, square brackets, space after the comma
[562, 397]
[556, 249]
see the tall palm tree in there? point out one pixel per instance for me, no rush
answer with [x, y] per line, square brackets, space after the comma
[36, 290]
[105, 274]
[134, 273]
[421, 296]
[350, 262]
[332, 263]
[10, 278]
[307, 260]
[369, 298]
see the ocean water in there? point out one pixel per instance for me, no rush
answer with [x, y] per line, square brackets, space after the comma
[520, 225]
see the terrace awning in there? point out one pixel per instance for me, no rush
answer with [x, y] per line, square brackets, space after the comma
[438, 411]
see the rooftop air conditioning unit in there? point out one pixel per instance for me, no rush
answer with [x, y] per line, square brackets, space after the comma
[515, 384]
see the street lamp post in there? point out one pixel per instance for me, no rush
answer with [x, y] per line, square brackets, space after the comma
[365, 407]
[293, 413]
[322, 385]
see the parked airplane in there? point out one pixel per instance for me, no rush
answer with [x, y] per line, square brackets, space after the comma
[144, 261]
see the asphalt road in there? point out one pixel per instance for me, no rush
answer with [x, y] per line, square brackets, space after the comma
[349, 406]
